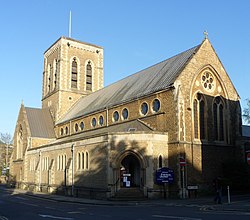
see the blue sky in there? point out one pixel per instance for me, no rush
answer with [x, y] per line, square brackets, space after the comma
[134, 35]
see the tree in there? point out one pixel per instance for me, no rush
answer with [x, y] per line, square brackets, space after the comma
[6, 150]
[246, 112]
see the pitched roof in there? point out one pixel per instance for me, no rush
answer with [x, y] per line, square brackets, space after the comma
[129, 126]
[40, 123]
[155, 78]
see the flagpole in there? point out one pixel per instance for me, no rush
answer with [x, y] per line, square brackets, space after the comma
[70, 23]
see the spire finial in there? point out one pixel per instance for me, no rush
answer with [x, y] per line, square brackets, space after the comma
[205, 34]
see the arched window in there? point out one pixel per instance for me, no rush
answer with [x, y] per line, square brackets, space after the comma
[160, 161]
[199, 117]
[87, 160]
[20, 143]
[218, 112]
[61, 166]
[79, 161]
[65, 162]
[89, 77]
[74, 74]
[195, 112]
[202, 119]
[82, 161]
[58, 162]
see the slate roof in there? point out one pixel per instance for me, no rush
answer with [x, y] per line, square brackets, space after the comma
[40, 123]
[155, 78]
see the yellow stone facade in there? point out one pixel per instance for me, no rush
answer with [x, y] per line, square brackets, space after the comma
[92, 158]
[58, 94]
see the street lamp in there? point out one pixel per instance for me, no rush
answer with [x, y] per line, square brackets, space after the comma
[72, 151]
[40, 170]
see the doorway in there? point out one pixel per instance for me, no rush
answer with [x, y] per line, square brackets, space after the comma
[130, 171]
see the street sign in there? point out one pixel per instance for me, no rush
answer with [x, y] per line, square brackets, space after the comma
[248, 158]
[182, 162]
[164, 175]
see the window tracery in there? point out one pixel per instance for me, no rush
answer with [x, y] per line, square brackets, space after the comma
[199, 116]
[218, 113]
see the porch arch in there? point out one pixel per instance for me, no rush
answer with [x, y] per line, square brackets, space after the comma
[133, 165]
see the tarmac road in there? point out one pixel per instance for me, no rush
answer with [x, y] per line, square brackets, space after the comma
[18, 204]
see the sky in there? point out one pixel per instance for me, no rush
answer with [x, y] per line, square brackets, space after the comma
[134, 35]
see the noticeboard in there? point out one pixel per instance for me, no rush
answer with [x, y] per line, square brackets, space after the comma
[164, 175]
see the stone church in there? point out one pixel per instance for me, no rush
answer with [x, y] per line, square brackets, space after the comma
[182, 114]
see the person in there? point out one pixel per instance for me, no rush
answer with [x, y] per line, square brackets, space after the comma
[218, 189]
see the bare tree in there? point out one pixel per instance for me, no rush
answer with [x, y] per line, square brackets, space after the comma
[246, 112]
[6, 140]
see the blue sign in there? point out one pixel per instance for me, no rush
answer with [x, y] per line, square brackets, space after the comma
[164, 175]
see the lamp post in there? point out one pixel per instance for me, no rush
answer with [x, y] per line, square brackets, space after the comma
[40, 171]
[72, 151]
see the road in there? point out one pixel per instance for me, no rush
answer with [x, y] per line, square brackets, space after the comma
[22, 206]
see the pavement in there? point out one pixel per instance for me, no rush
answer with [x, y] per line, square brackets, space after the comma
[239, 203]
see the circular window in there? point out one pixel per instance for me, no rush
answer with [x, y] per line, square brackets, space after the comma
[76, 127]
[144, 108]
[101, 120]
[116, 116]
[156, 105]
[82, 125]
[61, 131]
[125, 114]
[93, 123]
[66, 130]
[208, 81]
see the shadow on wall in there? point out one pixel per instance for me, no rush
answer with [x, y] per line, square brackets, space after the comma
[99, 174]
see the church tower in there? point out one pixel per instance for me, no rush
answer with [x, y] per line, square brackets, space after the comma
[72, 69]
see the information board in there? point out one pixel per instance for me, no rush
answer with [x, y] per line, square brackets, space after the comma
[164, 175]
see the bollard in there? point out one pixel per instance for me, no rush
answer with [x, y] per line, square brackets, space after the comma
[228, 195]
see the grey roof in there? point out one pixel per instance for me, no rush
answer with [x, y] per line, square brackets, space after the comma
[155, 78]
[40, 123]
[129, 126]
[245, 131]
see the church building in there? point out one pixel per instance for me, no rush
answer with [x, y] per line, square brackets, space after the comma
[153, 133]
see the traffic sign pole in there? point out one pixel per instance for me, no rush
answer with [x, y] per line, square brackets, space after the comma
[182, 163]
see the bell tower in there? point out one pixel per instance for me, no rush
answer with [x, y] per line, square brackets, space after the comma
[72, 69]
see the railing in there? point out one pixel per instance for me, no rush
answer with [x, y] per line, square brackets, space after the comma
[114, 185]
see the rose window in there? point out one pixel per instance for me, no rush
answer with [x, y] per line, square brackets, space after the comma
[208, 81]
